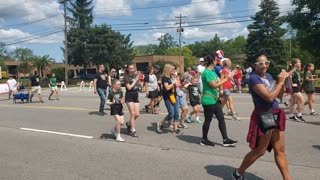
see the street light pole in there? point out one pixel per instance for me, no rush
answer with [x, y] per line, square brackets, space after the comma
[66, 69]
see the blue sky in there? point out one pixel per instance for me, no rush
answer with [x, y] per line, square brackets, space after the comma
[32, 20]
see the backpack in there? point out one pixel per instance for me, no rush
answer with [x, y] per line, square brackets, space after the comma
[288, 85]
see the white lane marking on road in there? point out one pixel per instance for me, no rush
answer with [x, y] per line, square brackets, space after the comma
[59, 133]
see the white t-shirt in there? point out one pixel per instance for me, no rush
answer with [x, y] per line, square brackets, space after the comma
[12, 84]
[248, 72]
[200, 69]
[153, 83]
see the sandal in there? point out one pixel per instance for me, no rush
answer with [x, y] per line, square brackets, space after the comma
[177, 131]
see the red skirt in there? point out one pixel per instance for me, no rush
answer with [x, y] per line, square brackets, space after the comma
[254, 131]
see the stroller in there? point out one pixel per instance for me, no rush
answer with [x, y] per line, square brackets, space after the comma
[22, 95]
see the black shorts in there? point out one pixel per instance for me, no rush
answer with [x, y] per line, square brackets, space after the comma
[132, 96]
[295, 90]
[194, 103]
[153, 94]
[116, 109]
[309, 92]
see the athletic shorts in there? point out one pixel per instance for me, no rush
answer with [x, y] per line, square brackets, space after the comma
[295, 90]
[181, 100]
[153, 94]
[194, 103]
[132, 96]
[309, 92]
[54, 88]
[116, 109]
[35, 90]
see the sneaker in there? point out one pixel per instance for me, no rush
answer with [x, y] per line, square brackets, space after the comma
[235, 118]
[113, 132]
[237, 177]
[286, 103]
[120, 139]
[128, 127]
[294, 118]
[301, 118]
[189, 120]
[313, 113]
[177, 131]
[159, 127]
[134, 134]
[198, 121]
[206, 142]
[229, 142]
[183, 126]
[230, 113]
[100, 113]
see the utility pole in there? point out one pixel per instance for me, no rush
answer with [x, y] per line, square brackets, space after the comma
[180, 30]
[66, 69]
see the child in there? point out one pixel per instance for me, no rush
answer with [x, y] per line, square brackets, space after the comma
[54, 87]
[115, 100]
[308, 85]
[194, 97]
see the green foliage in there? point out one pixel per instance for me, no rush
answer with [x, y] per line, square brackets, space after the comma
[189, 60]
[24, 67]
[82, 14]
[2, 65]
[266, 35]
[22, 54]
[234, 47]
[3, 50]
[145, 50]
[201, 49]
[305, 19]
[161, 64]
[41, 62]
[59, 72]
[165, 41]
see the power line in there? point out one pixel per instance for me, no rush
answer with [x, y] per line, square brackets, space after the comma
[154, 7]
[32, 22]
[30, 39]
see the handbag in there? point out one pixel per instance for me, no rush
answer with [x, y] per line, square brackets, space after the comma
[172, 98]
[267, 121]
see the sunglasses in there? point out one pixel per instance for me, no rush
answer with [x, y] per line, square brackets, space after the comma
[260, 64]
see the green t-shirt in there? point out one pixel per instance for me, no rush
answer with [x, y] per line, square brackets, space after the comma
[308, 85]
[296, 79]
[210, 95]
[115, 96]
[53, 82]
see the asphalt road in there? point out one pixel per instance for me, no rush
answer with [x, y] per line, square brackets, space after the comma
[66, 139]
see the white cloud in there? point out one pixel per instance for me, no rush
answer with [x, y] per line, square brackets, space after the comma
[29, 11]
[244, 32]
[110, 8]
[197, 33]
[13, 33]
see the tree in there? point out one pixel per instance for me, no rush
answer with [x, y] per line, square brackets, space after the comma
[265, 35]
[3, 50]
[143, 50]
[82, 14]
[201, 49]
[189, 60]
[161, 64]
[165, 41]
[106, 46]
[22, 54]
[305, 19]
[234, 47]
[41, 62]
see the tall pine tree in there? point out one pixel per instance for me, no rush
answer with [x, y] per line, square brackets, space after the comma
[265, 34]
[82, 14]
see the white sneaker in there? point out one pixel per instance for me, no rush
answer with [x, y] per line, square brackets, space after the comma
[120, 139]
[235, 118]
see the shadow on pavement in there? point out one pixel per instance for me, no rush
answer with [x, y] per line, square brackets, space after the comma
[94, 113]
[225, 172]
[316, 146]
[193, 139]
[106, 136]
[153, 128]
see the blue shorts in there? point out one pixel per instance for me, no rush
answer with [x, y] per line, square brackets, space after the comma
[226, 92]
[181, 100]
